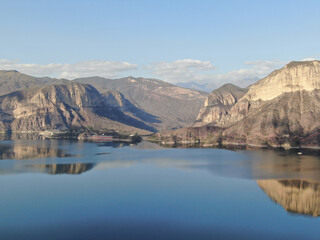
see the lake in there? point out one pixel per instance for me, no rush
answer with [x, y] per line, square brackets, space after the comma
[60, 189]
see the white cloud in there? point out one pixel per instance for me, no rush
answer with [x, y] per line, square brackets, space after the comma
[184, 70]
[244, 77]
[108, 69]
[308, 59]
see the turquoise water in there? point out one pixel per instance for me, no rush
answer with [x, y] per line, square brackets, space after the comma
[75, 190]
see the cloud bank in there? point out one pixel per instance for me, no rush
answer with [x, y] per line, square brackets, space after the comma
[183, 70]
[107, 69]
[202, 72]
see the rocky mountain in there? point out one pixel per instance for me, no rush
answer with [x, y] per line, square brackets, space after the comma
[151, 104]
[279, 110]
[13, 80]
[218, 104]
[294, 195]
[63, 106]
[168, 106]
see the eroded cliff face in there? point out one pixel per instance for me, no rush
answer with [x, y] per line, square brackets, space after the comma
[295, 76]
[219, 103]
[279, 110]
[56, 106]
[294, 195]
[291, 118]
[62, 107]
[115, 98]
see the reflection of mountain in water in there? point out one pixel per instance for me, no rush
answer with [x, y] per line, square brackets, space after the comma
[20, 136]
[39, 150]
[297, 196]
[20, 152]
[76, 168]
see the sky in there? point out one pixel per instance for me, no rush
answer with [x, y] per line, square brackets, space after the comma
[203, 41]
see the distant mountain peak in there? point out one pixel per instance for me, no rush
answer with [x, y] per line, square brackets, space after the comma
[9, 71]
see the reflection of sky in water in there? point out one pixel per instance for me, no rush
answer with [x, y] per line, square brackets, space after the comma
[150, 193]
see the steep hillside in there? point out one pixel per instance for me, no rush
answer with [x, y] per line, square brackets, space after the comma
[290, 119]
[279, 109]
[170, 106]
[62, 107]
[218, 104]
[118, 101]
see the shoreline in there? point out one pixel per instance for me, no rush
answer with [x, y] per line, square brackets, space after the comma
[55, 135]
[231, 144]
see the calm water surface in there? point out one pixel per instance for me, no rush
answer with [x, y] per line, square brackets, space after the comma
[76, 190]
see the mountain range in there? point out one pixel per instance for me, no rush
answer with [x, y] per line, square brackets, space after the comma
[131, 105]
[280, 110]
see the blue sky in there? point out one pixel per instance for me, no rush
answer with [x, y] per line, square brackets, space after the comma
[178, 41]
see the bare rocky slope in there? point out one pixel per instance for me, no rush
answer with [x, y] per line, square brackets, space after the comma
[63, 106]
[218, 104]
[279, 110]
[167, 106]
[118, 101]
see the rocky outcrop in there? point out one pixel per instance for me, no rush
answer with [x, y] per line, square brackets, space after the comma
[295, 76]
[290, 119]
[168, 106]
[294, 195]
[209, 135]
[63, 106]
[219, 103]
